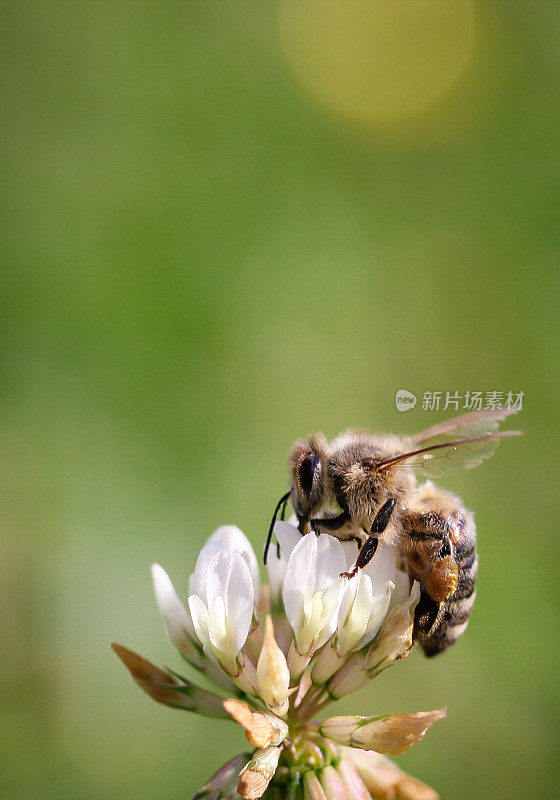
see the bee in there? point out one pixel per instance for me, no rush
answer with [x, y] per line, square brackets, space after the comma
[364, 486]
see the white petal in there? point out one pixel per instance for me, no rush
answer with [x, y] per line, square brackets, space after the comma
[199, 614]
[276, 566]
[217, 576]
[288, 536]
[330, 605]
[348, 595]
[197, 581]
[239, 594]
[310, 628]
[351, 551]
[299, 580]
[231, 538]
[401, 592]
[218, 630]
[177, 619]
[229, 589]
[313, 589]
[378, 612]
[331, 561]
[383, 566]
[228, 538]
[358, 616]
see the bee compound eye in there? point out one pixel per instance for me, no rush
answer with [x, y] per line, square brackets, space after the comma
[367, 463]
[307, 469]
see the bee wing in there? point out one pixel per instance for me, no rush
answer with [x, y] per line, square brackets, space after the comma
[449, 456]
[473, 424]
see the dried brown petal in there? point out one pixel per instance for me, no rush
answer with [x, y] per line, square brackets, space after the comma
[262, 730]
[163, 687]
[254, 779]
[252, 784]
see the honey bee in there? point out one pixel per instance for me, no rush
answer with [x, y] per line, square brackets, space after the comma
[364, 486]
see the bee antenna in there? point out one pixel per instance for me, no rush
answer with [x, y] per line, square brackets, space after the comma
[281, 503]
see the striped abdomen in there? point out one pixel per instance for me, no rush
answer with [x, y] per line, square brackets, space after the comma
[453, 614]
[440, 545]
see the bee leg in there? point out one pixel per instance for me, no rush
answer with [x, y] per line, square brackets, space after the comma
[370, 545]
[425, 615]
[364, 556]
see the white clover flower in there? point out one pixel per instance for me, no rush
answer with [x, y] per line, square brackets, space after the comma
[313, 590]
[321, 637]
[222, 611]
[366, 600]
[227, 538]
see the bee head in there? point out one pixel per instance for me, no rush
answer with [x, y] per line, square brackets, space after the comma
[309, 470]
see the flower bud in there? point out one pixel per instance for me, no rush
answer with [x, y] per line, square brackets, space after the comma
[349, 678]
[297, 662]
[393, 735]
[340, 729]
[333, 785]
[388, 734]
[245, 674]
[312, 789]
[273, 675]
[355, 787]
[327, 663]
[254, 642]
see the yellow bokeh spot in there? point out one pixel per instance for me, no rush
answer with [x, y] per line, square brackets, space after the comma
[377, 60]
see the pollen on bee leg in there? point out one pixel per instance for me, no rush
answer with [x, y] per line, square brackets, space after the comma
[443, 579]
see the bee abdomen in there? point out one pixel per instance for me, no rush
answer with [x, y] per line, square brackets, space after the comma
[454, 613]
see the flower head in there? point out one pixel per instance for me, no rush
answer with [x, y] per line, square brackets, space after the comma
[283, 654]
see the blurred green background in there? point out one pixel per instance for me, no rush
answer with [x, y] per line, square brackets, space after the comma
[226, 225]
